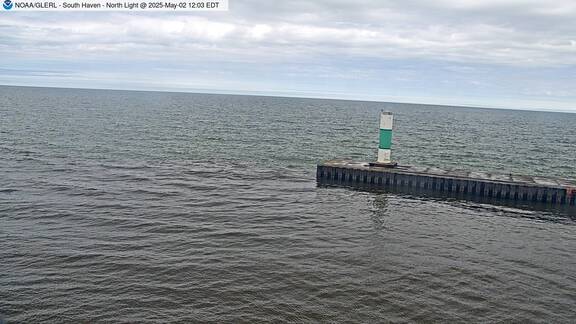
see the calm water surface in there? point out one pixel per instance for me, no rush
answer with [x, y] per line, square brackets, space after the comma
[144, 207]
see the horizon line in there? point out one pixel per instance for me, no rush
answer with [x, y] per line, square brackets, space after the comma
[272, 95]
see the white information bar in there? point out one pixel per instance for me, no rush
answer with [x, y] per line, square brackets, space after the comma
[113, 5]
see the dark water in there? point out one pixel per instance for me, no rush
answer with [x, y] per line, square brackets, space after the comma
[162, 207]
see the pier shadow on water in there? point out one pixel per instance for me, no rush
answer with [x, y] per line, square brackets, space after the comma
[513, 208]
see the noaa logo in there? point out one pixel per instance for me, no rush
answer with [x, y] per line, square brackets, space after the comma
[7, 4]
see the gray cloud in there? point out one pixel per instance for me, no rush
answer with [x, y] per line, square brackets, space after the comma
[500, 32]
[522, 48]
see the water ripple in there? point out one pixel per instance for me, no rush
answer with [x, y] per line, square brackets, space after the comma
[157, 207]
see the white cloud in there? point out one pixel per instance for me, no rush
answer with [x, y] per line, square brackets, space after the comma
[314, 39]
[366, 29]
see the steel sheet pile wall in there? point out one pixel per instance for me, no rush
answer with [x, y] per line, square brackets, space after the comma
[362, 176]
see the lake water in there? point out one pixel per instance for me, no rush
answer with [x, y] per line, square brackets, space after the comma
[144, 207]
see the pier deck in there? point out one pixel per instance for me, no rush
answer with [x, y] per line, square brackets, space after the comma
[449, 181]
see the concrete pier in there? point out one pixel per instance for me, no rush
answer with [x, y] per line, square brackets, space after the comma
[448, 181]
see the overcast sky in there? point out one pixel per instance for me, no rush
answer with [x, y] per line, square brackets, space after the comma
[496, 53]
